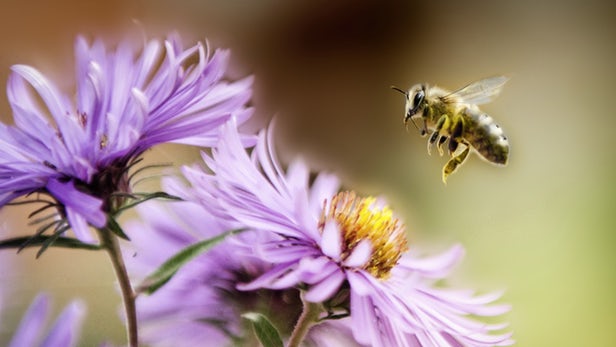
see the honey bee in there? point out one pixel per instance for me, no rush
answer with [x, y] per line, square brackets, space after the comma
[454, 116]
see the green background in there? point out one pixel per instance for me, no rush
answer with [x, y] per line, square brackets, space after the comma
[542, 228]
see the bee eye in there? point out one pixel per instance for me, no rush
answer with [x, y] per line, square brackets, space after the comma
[418, 99]
[416, 105]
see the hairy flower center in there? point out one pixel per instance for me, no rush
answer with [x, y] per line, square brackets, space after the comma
[360, 219]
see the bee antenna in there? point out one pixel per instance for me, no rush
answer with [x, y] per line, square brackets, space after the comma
[398, 89]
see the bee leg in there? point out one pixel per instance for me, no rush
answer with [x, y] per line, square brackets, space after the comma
[453, 145]
[435, 135]
[456, 136]
[431, 141]
[453, 163]
[439, 145]
[424, 130]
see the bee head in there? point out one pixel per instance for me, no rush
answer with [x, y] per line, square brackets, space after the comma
[415, 101]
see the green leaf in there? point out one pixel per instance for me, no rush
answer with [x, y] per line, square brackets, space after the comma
[113, 225]
[31, 201]
[166, 271]
[146, 197]
[42, 219]
[40, 231]
[52, 239]
[147, 167]
[267, 334]
[41, 210]
[28, 241]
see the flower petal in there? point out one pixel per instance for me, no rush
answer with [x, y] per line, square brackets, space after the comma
[360, 256]
[79, 225]
[32, 323]
[434, 267]
[331, 241]
[359, 284]
[83, 204]
[326, 288]
[67, 327]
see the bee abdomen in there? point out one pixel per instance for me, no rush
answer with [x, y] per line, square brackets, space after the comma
[487, 138]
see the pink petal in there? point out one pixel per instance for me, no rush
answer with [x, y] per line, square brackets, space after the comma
[331, 241]
[361, 255]
[326, 288]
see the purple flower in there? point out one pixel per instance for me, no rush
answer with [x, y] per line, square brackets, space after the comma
[200, 305]
[64, 332]
[191, 307]
[336, 245]
[128, 99]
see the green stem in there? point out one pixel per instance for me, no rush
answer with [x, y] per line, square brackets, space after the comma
[309, 316]
[111, 244]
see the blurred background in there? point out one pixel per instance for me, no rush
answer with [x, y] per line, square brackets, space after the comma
[542, 229]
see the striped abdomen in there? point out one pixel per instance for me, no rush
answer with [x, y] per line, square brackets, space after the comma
[485, 136]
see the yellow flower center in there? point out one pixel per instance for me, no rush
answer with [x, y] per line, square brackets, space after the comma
[360, 219]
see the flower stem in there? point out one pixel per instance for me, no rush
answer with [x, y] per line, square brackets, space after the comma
[309, 316]
[110, 243]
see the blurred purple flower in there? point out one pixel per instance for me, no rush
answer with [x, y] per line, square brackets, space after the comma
[200, 305]
[332, 243]
[64, 332]
[128, 99]
[191, 307]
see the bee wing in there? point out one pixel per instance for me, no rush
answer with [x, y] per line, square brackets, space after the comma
[480, 92]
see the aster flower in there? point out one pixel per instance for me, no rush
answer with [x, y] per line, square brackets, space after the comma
[128, 99]
[64, 331]
[201, 303]
[336, 245]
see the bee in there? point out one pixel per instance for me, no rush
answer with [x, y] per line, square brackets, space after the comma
[455, 117]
